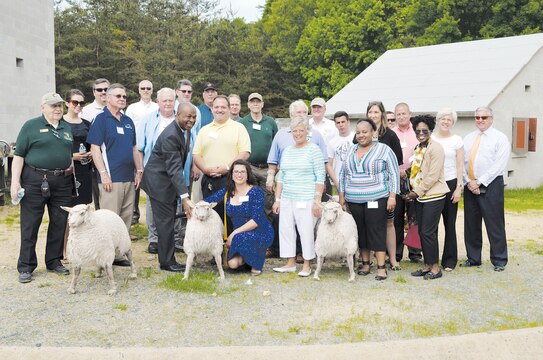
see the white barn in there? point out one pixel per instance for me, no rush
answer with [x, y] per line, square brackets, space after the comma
[505, 74]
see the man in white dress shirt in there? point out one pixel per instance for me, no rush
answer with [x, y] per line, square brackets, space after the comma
[487, 152]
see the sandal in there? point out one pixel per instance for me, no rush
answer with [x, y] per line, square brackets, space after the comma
[363, 272]
[380, 277]
[255, 272]
[299, 259]
[395, 268]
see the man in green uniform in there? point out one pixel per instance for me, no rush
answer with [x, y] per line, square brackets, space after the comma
[43, 167]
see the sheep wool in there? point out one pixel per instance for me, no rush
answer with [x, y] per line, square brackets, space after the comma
[97, 237]
[204, 235]
[337, 236]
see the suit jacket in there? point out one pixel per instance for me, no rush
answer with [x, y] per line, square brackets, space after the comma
[163, 175]
[432, 171]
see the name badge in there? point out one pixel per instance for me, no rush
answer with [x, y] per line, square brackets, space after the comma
[120, 130]
[403, 144]
[373, 205]
[301, 204]
[44, 130]
[243, 198]
[213, 135]
[257, 126]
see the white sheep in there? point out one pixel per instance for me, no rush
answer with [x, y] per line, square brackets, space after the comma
[204, 235]
[337, 236]
[97, 237]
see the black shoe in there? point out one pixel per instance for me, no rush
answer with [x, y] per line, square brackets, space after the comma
[61, 270]
[420, 272]
[174, 267]
[380, 277]
[468, 263]
[25, 277]
[121, 262]
[153, 248]
[178, 247]
[135, 220]
[430, 275]
[499, 268]
[363, 272]
[416, 260]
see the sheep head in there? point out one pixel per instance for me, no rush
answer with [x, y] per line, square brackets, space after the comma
[77, 214]
[202, 209]
[331, 212]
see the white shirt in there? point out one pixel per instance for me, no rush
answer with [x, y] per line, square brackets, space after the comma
[90, 111]
[137, 111]
[492, 156]
[163, 122]
[326, 127]
[451, 145]
[337, 149]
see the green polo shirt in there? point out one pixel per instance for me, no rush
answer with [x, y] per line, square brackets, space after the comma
[261, 134]
[43, 146]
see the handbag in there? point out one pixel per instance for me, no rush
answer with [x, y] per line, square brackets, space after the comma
[412, 239]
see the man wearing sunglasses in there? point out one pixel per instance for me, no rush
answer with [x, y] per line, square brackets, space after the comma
[42, 166]
[99, 90]
[137, 111]
[88, 113]
[487, 152]
[113, 146]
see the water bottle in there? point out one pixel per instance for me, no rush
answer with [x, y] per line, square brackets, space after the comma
[83, 150]
[20, 195]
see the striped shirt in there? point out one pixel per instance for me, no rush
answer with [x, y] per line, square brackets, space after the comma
[300, 170]
[373, 177]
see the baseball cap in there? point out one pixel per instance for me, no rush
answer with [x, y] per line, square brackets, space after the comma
[318, 102]
[255, 96]
[51, 98]
[209, 86]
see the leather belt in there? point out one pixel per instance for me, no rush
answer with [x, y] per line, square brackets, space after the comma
[260, 166]
[54, 172]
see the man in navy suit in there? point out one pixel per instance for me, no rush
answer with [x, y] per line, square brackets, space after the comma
[163, 180]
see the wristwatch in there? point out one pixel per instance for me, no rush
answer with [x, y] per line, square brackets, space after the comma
[478, 182]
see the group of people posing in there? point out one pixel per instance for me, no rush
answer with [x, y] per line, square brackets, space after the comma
[268, 182]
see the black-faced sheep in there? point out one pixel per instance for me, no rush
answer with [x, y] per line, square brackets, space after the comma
[204, 235]
[337, 236]
[97, 237]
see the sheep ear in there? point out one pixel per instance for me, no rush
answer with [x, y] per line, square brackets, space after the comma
[212, 205]
[66, 208]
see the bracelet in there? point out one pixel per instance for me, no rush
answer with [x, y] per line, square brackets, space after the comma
[277, 200]
[139, 171]
[103, 171]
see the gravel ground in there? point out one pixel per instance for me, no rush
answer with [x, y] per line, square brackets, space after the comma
[276, 309]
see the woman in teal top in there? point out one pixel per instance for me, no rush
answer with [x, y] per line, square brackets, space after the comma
[299, 189]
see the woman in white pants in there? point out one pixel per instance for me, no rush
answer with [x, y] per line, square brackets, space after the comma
[299, 189]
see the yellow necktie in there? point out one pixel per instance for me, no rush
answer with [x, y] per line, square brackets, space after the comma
[472, 155]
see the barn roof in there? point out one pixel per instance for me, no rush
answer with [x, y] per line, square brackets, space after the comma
[460, 75]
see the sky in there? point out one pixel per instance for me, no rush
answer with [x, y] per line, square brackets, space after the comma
[246, 9]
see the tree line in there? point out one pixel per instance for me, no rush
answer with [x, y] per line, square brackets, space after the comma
[299, 49]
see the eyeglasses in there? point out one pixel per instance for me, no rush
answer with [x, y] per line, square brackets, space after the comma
[482, 117]
[146, 88]
[100, 90]
[75, 103]
[119, 96]
[391, 120]
[186, 91]
[239, 172]
[425, 132]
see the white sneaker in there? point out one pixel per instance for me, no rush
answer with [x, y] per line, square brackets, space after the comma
[304, 273]
[285, 269]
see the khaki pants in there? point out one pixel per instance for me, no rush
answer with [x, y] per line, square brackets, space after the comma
[120, 200]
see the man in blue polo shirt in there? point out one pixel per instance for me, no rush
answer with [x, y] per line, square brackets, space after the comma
[113, 146]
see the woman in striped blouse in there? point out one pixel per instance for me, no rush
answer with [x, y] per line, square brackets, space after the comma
[298, 193]
[369, 181]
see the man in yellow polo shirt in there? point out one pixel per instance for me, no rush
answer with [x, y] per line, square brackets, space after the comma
[218, 145]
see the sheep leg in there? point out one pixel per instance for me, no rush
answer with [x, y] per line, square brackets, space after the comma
[100, 272]
[218, 260]
[133, 272]
[188, 265]
[112, 284]
[350, 262]
[319, 267]
[76, 273]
